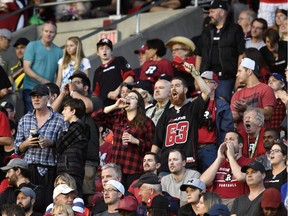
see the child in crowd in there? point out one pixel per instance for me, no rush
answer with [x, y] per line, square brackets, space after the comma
[63, 210]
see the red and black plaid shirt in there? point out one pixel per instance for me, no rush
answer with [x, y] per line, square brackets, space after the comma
[129, 158]
[278, 114]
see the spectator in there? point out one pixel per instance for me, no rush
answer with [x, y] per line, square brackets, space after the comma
[265, 100]
[171, 183]
[158, 205]
[206, 201]
[284, 30]
[229, 39]
[248, 204]
[142, 57]
[73, 60]
[43, 68]
[133, 133]
[112, 193]
[71, 145]
[277, 83]
[194, 188]
[105, 148]
[258, 27]
[169, 4]
[62, 210]
[5, 39]
[245, 20]
[9, 107]
[280, 15]
[162, 96]
[71, 11]
[54, 92]
[26, 197]
[6, 140]
[124, 90]
[111, 73]
[11, 209]
[219, 209]
[16, 73]
[269, 137]
[274, 48]
[43, 169]
[183, 48]
[215, 122]
[277, 176]
[18, 175]
[224, 175]
[271, 204]
[156, 65]
[184, 115]
[127, 206]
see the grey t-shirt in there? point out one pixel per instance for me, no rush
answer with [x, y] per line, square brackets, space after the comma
[106, 213]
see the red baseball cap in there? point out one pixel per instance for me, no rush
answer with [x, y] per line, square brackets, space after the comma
[142, 49]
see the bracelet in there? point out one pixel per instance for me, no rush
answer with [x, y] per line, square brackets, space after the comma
[71, 93]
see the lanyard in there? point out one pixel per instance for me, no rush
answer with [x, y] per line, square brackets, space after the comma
[251, 151]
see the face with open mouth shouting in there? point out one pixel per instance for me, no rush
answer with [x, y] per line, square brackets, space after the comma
[178, 92]
[252, 123]
[276, 156]
[104, 52]
[131, 101]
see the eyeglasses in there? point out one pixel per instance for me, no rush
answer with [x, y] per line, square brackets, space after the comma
[275, 151]
[177, 49]
[131, 98]
[109, 190]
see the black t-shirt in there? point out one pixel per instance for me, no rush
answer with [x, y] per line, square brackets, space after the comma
[4, 80]
[275, 181]
[215, 59]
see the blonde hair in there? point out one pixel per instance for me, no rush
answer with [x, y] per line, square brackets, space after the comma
[63, 208]
[79, 55]
[68, 179]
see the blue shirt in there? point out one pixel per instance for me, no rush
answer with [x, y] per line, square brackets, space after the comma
[51, 129]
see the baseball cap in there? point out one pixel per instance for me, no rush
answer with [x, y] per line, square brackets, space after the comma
[271, 198]
[142, 49]
[83, 76]
[16, 162]
[255, 165]
[158, 201]
[10, 157]
[128, 203]
[147, 178]
[181, 40]
[219, 209]
[248, 63]
[62, 189]
[194, 183]
[210, 75]
[7, 105]
[22, 41]
[40, 89]
[6, 33]
[278, 77]
[105, 41]
[143, 84]
[27, 191]
[117, 185]
[219, 4]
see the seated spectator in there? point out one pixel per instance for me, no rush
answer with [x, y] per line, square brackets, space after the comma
[103, 8]
[9, 107]
[26, 197]
[41, 14]
[124, 90]
[280, 15]
[219, 209]
[171, 183]
[258, 27]
[127, 206]
[12, 209]
[158, 205]
[169, 5]
[284, 30]
[142, 58]
[54, 92]
[70, 11]
[245, 20]
[271, 204]
[194, 188]
[62, 210]
[277, 176]
[206, 201]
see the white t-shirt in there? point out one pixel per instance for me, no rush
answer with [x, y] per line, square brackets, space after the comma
[69, 70]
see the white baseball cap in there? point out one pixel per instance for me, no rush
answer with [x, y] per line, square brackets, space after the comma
[248, 63]
[62, 189]
[117, 185]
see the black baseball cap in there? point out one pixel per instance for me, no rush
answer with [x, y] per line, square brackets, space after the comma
[159, 202]
[219, 4]
[143, 84]
[255, 165]
[147, 178]
[40, 89]
[105, 41]
[22, 41]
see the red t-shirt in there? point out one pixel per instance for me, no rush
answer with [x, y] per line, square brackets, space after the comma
[4, 125]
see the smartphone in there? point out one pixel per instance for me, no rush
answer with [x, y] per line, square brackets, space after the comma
[35, 135]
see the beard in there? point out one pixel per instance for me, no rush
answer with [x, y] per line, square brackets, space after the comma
[27, 207]
[179, 100]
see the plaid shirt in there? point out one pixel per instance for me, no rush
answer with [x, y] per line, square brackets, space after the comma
[51, 129]
[278, 114]
[129, 158]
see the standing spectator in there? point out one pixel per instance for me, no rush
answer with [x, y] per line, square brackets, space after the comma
[206, 201]
[249, 204]
[277, 176]
[39, 151]
[178, 126]
[110, 74]
[220, 48]
[171, 183]
[133, 133]
[156, 65]
[54, 92]
[194, 188]
[5, 38]
[280, 15]
[284, 30]
[71, 145]
[17, 72]
[26, 197]
[244, 20]
[40, 62]
[258, 27]
[142, 57]
[271, 204]
[224, 175]
[254, 94]
[73, 60]
[275, 52]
